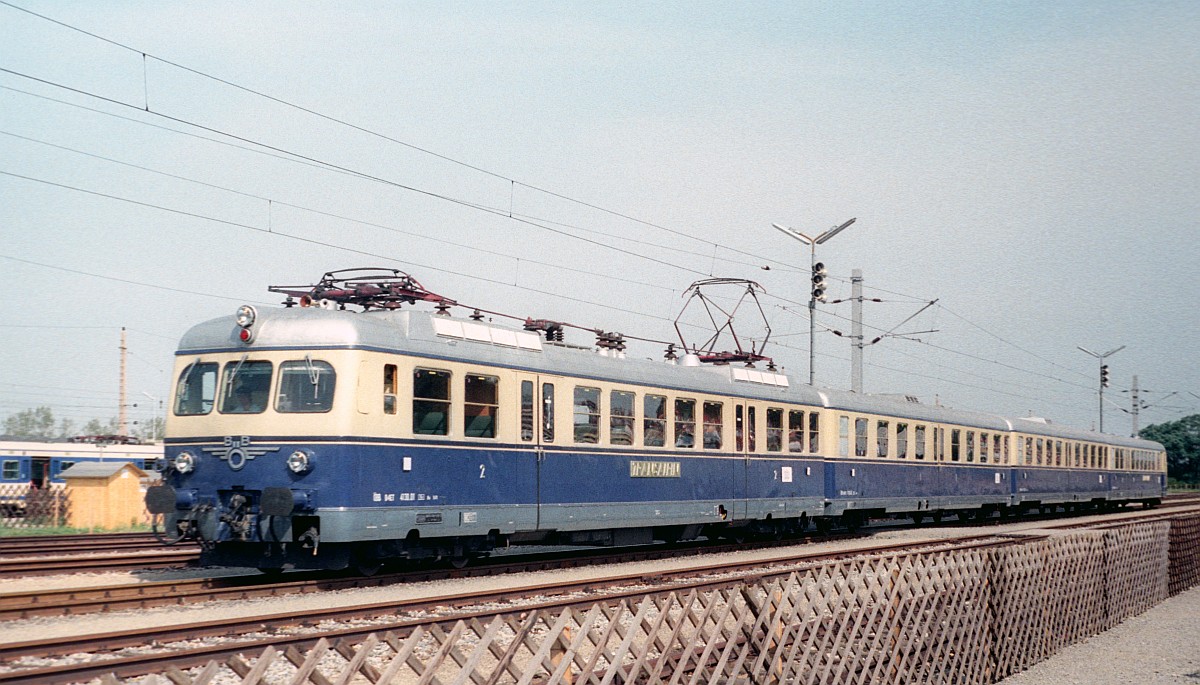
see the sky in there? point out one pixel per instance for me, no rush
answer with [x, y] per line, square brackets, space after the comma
[1032, 167]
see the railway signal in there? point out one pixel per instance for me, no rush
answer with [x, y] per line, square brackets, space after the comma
[818, 281]
[1103, 375]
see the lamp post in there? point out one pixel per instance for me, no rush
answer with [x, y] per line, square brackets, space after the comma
[157, 413]
[1103, 376]
[818, 272]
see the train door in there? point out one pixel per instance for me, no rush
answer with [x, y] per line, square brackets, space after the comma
[537, 432]
[39, 473]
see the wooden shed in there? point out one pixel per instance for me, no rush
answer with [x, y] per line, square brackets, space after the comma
[105, 495]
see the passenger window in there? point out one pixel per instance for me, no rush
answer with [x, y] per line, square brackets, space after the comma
[1028, 451]
[1058, 453]
[971, 446]
[751, 426]
[654, 421]
[713, 424]
[881, 438]
[526, 411]
[12, 469]
[196, 390]
[620, 418]
[983, 448]
[431, 402]
[844, 436]
[1039, 452]
[954, 444]
[739, 428]
[481, 406]
[1001, 454]
[795, 431]
[860, 437]
[814, 434]
[587, 414]
[774, 430]
[902, 440]
[919, 437]
[547, 412]
[305, 387]
[246, 387]
[390, 384]
[685, 423]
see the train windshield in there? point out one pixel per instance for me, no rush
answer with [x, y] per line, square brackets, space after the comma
[245, 387]
[305, 386]
[196, 389]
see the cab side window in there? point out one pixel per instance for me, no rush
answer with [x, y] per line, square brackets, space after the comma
[431, 402]
[481, 404]
[196, 390]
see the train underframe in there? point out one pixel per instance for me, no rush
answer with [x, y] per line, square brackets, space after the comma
[278, 542]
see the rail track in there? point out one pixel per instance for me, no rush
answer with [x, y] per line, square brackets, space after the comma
[393, 616]
[295, 629]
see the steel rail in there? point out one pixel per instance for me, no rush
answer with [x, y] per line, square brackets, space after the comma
[578, 593]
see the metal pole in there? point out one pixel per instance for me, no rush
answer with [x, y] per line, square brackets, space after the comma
[812, 321]
[856, 333]
[1101, 398]
[1134, 392]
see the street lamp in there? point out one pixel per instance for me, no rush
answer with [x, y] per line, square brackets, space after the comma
[818, 272]
[157, 413]
[1103, 376]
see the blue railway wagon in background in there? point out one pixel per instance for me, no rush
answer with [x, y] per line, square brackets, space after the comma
[319, 437]
[26, 464]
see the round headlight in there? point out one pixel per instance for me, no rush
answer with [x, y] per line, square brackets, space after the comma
[185, 462]
[298, 462]
[245, 316]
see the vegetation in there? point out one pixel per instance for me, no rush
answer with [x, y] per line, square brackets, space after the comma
[32, 531]
[1182, 440]
[40, 424]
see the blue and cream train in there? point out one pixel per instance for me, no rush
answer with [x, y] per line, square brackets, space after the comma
[316, 437]
[38, 464]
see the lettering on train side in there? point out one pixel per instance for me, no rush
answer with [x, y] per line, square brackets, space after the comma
[654, 469]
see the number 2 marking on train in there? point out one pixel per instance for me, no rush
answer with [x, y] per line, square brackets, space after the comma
[482, 471]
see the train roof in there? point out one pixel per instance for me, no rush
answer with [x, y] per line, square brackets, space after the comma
[437, 336]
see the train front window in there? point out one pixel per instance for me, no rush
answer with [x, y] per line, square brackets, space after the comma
[305, 387]
[196, 389]
[481, 404]
[431, 402]
[246, 387]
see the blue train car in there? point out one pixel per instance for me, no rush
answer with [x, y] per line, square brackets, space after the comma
[318, 437]
[32, 464]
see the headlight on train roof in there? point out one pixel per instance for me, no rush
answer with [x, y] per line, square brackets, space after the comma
[185, 462]
[246, 315]
[298, 462]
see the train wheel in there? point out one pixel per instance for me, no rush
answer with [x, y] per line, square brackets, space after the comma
[460, 561]
[917, 518]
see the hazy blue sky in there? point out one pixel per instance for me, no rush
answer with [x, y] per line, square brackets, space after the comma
[1033, 166]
